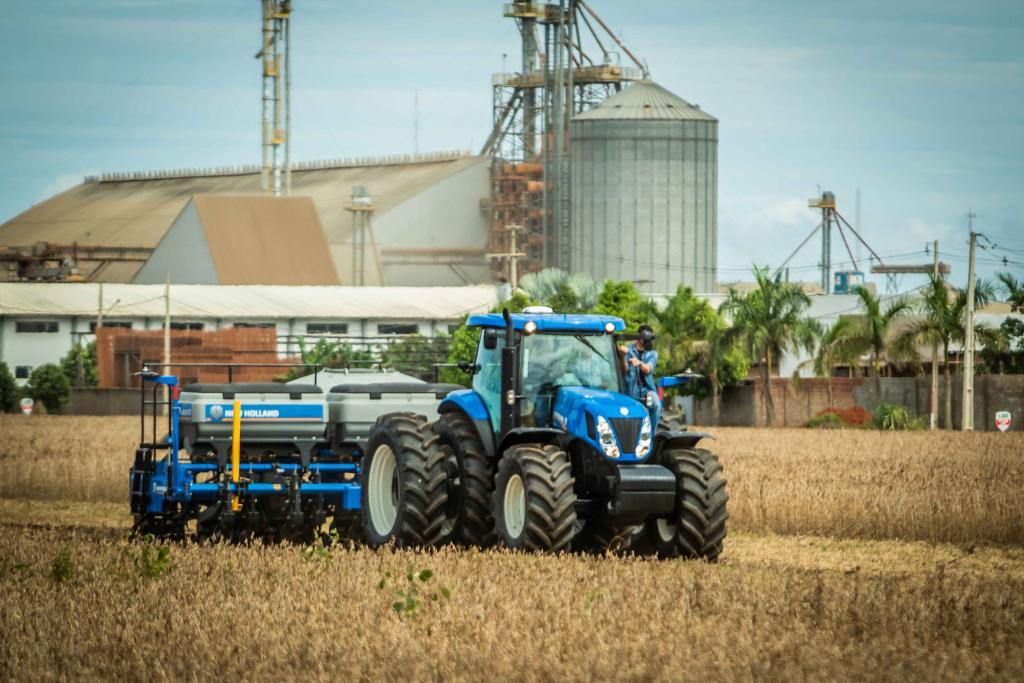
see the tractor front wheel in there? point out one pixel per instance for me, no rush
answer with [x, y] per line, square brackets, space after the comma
[403, 483]
[534, 503]
[697, 527]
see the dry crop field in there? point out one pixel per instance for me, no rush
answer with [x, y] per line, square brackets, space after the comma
[851, 555]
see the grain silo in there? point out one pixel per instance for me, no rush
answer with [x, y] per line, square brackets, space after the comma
[644, 191]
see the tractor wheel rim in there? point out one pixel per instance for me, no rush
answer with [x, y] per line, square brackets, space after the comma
[383, 493]
[666, 529]
[515, 506]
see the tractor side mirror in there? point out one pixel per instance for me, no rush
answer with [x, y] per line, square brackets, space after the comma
[490, 338]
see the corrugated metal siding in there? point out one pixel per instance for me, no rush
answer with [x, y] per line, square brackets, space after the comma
[643, 199]
[246, 301]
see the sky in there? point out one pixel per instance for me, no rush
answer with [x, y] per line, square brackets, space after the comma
[915, 103]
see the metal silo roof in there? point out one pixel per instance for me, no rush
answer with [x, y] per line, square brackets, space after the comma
[646, 100]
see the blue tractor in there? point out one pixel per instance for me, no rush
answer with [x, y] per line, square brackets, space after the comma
[546, 452]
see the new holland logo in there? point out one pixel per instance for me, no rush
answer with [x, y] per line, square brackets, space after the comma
[216, 412]
[623, 411]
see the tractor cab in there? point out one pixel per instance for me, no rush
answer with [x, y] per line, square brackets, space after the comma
[563, 373]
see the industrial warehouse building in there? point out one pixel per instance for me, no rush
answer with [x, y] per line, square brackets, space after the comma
[429, 225]
[41, 322]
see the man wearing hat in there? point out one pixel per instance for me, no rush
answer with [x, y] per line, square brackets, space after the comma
[639, 360]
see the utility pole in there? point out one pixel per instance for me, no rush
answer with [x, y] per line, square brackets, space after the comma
[99, 310]
[967, 420]
[167, 325]
[933, 412]
[513, 255]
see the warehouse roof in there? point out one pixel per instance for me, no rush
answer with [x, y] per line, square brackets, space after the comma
[250, 302]
[136, 209]
[646, 100]
[249, 239]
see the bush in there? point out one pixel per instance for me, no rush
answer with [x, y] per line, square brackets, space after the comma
[896, 418]
[80, 366]
[9, 393]
[49, 385]
[826, 420]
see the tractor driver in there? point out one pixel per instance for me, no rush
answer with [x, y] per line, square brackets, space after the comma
[638, 362]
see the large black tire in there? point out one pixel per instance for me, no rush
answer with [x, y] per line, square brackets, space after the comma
[403, 483]
[697, 527]
[536, 480]
[470, 482]
[672, 422]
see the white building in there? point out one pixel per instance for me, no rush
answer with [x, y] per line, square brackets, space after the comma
[41, 322]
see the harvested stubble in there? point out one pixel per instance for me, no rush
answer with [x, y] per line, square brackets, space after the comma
[940, 486]
[793, 611]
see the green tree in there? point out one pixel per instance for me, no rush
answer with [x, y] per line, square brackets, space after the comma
[50, 386]
[721, 359]
[769, 320]
[565, 300]
[684, 320]
[877, 329]
[80, 365]
[840, 344]
[462, 348]
[1009, 358]
[944, 312]
[555, 288]
[326, 353]
[8, 390]
[416, 355]
[621, 299]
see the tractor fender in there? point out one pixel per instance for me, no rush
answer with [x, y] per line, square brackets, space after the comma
[545, 435]
[663, 440]
[472, 406]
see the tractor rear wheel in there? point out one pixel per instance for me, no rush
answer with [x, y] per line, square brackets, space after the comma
[697, 527]
[470, 482]
[672, 422]
[403, 483]
[534, 503]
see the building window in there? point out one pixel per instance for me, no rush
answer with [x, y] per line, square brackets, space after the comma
[36, 326]
[452, 329]
[398, 328]
[187, 326]
[257, 326]
[123, 325]
[326, 328]
[22, 371]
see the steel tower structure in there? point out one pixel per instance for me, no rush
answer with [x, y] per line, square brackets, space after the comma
[529, 140]
[275, 55]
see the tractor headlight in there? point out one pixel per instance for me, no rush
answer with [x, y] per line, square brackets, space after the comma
[530, 327]
[643, 446]
[606, 436]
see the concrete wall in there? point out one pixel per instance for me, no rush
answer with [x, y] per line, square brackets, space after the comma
[103, 402]
[797, 403]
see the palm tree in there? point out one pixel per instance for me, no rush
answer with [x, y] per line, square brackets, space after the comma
[769, 321]
[1014, 289]
[837, 345]
[944, 311]
[876, 331]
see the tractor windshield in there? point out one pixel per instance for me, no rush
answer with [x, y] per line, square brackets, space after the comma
[550, 361]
